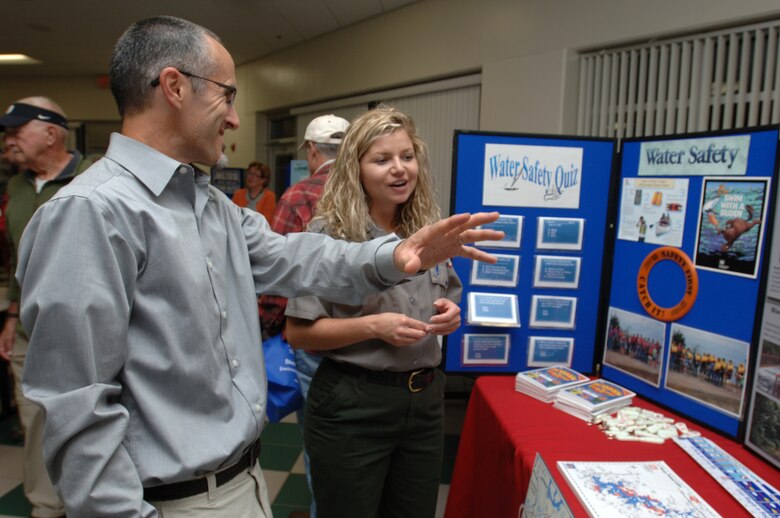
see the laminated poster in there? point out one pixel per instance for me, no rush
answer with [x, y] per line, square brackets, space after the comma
[632, 490]
[731, 223]
[652, 210]
[544, 498]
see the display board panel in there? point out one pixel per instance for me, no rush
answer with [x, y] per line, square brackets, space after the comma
[553, 194]
[227, 179]
[763, 417]
[687, 270]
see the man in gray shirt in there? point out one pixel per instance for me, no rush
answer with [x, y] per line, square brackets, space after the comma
[139, 284]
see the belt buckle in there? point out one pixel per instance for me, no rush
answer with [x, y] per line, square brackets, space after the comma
[410, 383]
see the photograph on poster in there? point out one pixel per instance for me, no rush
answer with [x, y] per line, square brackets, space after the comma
[559, 233]
[485, 349]
[493, 309]
[773, 268]
[634, 345]
[652, 210]
[544, 351]
[705, 368]
[763, 419]
[516, 175]
[512, 226]
[768, 371]
[557, 272]
[502, 273]
[553, 312]
[764, 428]
[731, 225]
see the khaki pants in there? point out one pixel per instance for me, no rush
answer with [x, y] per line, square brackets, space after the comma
[246, 496]
[37, 486]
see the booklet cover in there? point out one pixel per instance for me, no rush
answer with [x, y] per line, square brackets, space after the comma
[588, 415]
[596, 396]
[622, 489]
[546, 382]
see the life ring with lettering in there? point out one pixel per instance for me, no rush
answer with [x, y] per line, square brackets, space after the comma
[681, 259]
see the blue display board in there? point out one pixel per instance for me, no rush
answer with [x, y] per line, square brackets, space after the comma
[227, 179]
[553, 194]
[691, 234]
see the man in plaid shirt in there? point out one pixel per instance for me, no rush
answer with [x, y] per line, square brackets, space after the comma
[293, 212]
[296, 206]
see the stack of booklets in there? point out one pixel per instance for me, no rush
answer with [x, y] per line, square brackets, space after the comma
[588, 400]
[544, 384]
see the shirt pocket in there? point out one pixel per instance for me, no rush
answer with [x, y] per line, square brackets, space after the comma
[439, 276]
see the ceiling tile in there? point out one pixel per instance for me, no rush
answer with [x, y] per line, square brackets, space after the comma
[350, 11]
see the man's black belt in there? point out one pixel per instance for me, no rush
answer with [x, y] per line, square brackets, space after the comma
[177, 490]
[415, 380]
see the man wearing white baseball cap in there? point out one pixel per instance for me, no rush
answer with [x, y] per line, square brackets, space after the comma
[325, 129]
[296, 206]
[293, 212]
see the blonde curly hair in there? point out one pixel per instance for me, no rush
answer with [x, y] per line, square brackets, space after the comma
[344, 206]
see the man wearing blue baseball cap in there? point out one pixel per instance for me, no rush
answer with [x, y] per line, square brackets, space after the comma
[36, 131]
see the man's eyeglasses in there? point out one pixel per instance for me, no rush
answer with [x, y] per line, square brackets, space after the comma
[230, 91]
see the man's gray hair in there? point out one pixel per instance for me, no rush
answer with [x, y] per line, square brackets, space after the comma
[328, 150]
[150, 45]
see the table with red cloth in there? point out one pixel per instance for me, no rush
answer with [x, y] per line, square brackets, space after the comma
[504, 429]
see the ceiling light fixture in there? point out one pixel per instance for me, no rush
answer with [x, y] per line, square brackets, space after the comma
[17, 59]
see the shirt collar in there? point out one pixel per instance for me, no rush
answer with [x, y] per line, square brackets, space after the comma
[374, 231]
[68, 170]
[152, 168]
[324, 167]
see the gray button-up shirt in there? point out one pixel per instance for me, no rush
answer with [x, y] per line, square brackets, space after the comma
[139, 283]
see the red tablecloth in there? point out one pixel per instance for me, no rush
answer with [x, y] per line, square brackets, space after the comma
[504, 430]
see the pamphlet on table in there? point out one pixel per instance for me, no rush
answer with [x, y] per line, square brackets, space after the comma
[544, 384]
[591, 399]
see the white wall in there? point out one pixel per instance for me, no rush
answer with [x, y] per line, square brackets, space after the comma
[524, 49]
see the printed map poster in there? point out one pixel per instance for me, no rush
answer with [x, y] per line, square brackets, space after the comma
[652, 210]
[731, 225]
[543, 498]
[532, 176]
[633, 489]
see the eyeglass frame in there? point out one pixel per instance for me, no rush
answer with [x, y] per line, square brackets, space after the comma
[229, 90]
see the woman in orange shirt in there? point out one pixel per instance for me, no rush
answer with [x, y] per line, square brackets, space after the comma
[256, 195]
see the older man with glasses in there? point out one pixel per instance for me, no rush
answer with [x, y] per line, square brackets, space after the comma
[35, 135]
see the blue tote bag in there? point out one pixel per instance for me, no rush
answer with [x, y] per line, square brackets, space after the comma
[284, 390]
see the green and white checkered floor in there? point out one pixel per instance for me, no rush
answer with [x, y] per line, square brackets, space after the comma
[281, 459]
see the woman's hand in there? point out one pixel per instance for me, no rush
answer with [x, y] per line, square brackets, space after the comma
[446, 238]
[397, 329]
[448, 318]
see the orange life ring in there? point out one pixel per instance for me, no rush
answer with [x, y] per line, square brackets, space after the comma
[681, 259]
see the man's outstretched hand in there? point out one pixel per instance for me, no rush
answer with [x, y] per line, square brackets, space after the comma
[446, 238]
